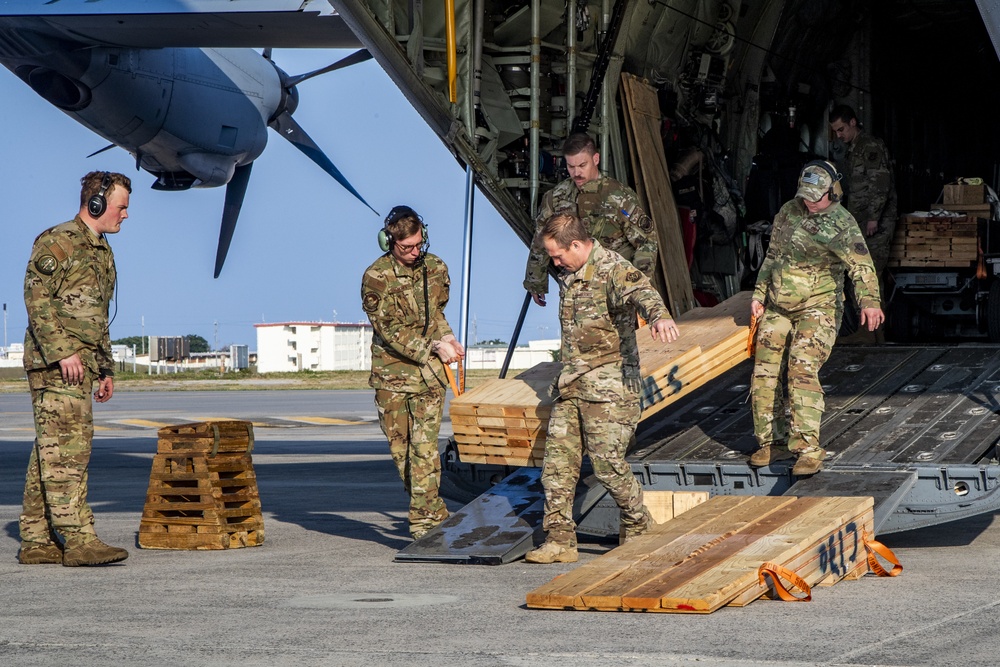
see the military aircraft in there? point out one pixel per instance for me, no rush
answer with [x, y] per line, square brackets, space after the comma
[709, 108]
[192, 117]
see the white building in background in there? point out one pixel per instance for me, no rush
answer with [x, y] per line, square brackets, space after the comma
[313, 346]
[525, 356]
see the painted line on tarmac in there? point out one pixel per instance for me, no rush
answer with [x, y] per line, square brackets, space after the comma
[327, 421]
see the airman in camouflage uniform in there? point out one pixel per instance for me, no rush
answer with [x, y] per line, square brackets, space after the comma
[869, 192]
[611, 211]
[68, 287]
[597, 407]
[404, 292]
[799, 297]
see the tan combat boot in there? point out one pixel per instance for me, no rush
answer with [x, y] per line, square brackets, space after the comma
[627, 533]
[809, 462]
[552, 552]
[93, 552]
[768, 454]
[36, 553]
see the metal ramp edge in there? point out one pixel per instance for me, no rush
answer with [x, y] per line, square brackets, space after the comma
[499, 526]
[887, 487]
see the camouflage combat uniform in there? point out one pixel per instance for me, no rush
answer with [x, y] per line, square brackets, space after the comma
[68, 285]
[597, 408]
[801, 285]
[613, 216]
[409, 380]
[870, 193]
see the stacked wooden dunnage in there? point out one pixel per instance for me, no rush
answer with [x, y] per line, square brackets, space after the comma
[504, 421]
[202, 489]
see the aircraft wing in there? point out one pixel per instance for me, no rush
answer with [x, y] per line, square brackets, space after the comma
[183, 23]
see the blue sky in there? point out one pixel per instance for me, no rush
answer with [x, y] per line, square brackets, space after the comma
[302, 242]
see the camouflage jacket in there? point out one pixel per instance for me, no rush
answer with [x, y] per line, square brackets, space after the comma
[614, 217]
[869, 190]
[805, 263]
[68, 286]
[597, 311]
[393, 297]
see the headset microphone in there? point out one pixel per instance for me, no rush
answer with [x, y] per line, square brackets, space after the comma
[98, 204]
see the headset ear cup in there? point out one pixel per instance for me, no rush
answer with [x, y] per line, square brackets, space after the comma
[384, 240]
[96, 206]
[423, 231]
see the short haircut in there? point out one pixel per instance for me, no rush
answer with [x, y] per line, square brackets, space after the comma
[405, 227]
[564, 228]
[579, 142]
[843, 113]
[90, 184]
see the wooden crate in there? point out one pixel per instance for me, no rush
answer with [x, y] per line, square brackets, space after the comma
[202, 490]
[709, 556]
[956, 193]
[505, 421]
[923, 241]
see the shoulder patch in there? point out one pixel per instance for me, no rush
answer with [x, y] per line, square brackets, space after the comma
[861, 248]
[645, 223]
[46, 265]
[633, 276]
[370, 302]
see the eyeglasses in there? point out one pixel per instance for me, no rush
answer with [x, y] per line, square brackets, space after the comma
[405, 248]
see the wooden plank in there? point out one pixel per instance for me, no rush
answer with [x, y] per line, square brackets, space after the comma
[709, 555]
[564, 591]
[643, 111]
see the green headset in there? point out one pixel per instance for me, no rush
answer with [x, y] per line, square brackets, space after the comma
[385, 238]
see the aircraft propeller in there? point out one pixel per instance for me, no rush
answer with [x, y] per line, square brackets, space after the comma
[283, 123]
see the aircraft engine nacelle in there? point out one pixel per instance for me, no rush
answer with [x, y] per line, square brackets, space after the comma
[201, 111]
[209, 169]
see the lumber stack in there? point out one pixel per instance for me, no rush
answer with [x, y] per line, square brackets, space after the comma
[931, 241]
[504, 422]
[202, 490]
[709, 556]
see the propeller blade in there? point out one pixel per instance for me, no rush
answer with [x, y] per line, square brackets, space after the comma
[286, 126]
[353, 59]
[106, 148]
[235, 192]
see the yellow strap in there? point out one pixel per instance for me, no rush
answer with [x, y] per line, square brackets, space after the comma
[778, 573]
[451, 380]
[873, 547]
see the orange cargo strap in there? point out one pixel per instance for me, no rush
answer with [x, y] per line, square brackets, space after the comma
[873, 546]
[461, 376]
[752, 336]
[451, 380]
[778, 573]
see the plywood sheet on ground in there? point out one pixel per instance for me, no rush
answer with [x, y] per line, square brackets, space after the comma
[505, 421]
[709, 556]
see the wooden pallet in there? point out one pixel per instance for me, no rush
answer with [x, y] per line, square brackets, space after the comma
[709, 556]
[202, 490]
[505, 422]
[921, 241]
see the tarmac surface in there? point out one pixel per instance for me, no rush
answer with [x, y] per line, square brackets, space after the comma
[323, 588]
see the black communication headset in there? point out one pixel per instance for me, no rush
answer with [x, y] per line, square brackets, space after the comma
[98, 204]
[385, 238]
[836, 190]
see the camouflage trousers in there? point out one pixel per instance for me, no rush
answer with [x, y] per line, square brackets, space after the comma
[880, 244]
[55, 487]
[411, 423]
[602, 431]
[791, 349]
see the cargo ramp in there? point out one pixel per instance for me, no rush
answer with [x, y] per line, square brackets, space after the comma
[916, 428]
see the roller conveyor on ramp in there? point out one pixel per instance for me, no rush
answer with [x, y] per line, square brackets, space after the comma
[916, 428]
